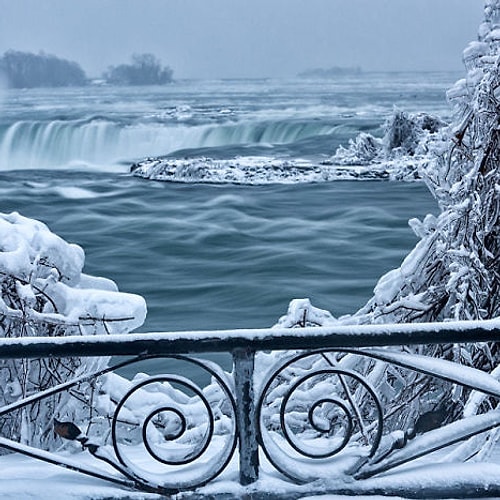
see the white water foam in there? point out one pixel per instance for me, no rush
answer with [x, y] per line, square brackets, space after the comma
[75, 193]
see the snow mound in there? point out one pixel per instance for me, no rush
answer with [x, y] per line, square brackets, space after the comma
[403, 150]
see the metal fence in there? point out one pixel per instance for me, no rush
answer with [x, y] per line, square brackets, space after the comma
[308, 408]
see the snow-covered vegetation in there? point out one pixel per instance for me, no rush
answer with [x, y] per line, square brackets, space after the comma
[452, 273]
[406, 139]
[45, 293]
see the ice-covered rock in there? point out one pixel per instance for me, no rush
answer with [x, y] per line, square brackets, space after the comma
[253, 170]
[402, 149]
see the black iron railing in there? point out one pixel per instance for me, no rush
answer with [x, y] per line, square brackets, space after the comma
[310, 407]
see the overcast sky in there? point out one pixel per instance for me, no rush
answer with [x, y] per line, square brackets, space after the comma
[245, 38]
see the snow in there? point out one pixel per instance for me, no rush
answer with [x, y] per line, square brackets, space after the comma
[435, 439]
[45, 293]
[41, 260]
[398, 156]
[254, 170]
[25, 478]
[447, 370]
[336, 335]
[477, 397]
[78, 295]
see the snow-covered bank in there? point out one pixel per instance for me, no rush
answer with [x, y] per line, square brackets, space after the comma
[24, 478]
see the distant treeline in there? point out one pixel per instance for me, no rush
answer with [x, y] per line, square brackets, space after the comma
[28, 70]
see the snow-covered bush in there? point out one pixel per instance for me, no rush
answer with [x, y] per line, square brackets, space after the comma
[43, 292]
[407, 133]
[363, 150]
[401, 133]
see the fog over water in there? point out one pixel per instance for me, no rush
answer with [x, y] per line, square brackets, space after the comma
[240, 38]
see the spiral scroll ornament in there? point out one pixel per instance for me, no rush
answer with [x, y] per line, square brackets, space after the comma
[169, 435]
[318, 420]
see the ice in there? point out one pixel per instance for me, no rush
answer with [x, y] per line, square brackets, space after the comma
[477, 397]
[438, 481]
[448, 370]
[402, 151]
[41, 260]
[252, 170]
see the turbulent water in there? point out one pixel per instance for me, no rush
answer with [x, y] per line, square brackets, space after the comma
[217, 255]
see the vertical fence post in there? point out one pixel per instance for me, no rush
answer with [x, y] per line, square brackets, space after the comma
[245, 415]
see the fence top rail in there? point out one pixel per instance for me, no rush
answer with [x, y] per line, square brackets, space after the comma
[186, 342]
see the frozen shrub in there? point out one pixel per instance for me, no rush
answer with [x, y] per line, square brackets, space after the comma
[43, 292]
[363, 150]
[401, 133]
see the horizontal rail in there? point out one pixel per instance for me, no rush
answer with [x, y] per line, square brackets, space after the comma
[191, 342]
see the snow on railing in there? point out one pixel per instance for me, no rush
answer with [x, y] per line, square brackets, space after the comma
[308, 402]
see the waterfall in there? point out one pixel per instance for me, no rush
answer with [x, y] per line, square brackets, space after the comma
[101, 142]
